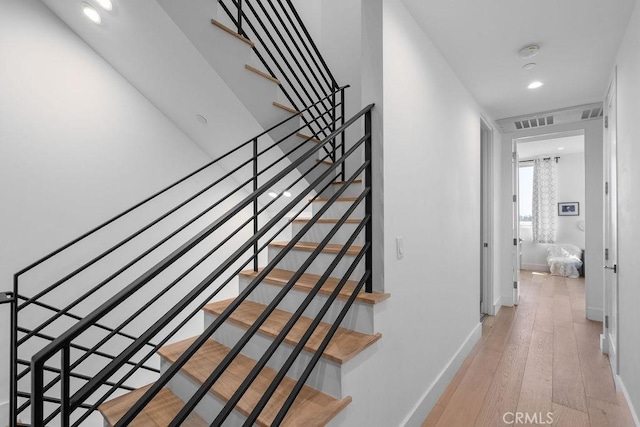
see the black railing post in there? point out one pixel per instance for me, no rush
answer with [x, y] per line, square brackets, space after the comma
[239, 16]
[13, 373]
[37, 393]
[333, 123]
[255, 203]
[65, 386]
[369, 201]
[342, 136]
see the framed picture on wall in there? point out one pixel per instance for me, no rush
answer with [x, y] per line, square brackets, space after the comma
[569, 209]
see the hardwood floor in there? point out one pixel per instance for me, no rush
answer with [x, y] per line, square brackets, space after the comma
[540, 357]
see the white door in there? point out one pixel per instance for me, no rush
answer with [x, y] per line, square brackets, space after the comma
[515, 251]
[611, 227]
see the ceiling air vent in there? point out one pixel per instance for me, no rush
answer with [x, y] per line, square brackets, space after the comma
[555, 117]
[592, 113]
[534, 122]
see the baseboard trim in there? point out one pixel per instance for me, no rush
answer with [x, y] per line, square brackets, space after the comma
[595, 314]
[4, 413]
[430, 397]
[535, 267]
[502, 302]
[622, 388]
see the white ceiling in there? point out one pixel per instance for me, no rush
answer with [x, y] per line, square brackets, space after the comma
[480, 39]
[551, 147]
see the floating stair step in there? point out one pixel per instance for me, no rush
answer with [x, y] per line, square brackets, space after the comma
[262, 74]
[325, 162]
[344, 345]
[309, 137]
[233, 33]
[159, 412]
[330, 248]
[311, 408]
[342, 199]
[307, 281]
[354, 182]
[286, 108]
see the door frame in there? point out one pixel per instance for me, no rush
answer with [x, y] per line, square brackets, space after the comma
[515, 219]
[487, 305]
[610, 171]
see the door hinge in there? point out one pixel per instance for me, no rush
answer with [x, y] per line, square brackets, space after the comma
[513, 155]
[486, 245]
[606, 254]
[6, 297]
[515, 198]
[606, 322]
[515, 285]
[606, 122]
[515, 242]
[606, 188]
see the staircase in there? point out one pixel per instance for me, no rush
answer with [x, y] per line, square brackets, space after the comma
[205, 305]
[320, 399]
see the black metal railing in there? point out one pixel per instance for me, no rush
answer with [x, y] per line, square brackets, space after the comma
[70, 377]
[289, 54]
[35, 319]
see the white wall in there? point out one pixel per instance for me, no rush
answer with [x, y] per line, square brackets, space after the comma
[594, 187]
[432, 200]
[628, 64]
[570, 188]
[78, 144]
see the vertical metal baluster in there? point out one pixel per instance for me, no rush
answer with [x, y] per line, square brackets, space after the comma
[239, 16]
[37, 393]
[368, 201]
[65, 386]
[13, 386]
[342, 137]
[333, 124]
[255, 202]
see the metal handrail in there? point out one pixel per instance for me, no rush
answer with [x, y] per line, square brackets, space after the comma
[65, 340]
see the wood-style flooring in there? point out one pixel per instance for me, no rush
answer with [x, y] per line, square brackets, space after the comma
[540, 357]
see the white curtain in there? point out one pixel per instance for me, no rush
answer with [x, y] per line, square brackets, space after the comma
[544, 201]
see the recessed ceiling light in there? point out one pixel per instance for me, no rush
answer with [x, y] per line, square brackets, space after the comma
[560, 148]
[529, 51]
[535, 85]
[91, 13]
[105, 4]
[202, 119]
[286, 194]
[529, 66]
[273, 194]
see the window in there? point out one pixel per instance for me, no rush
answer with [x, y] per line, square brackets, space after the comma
[526, 194]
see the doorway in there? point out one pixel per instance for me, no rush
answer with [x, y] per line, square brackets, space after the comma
[549, 220]
[486, 219]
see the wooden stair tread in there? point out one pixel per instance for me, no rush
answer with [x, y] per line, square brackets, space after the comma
[311, 408]
[344, 345]
[354, 182]
[328, 220]
[309, 137]
[325, 162]
[341, 199]
[233, 33]
[159, 412]
[262, 74]
[307, 281]
[331, 248]
[286, 107]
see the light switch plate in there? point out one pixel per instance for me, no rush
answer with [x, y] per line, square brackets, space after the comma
[399, 247]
